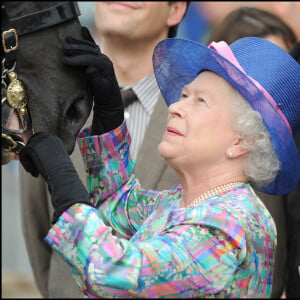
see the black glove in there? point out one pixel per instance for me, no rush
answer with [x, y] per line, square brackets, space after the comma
[46, 155]
[102, 82]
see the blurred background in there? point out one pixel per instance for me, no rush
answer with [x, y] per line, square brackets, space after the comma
[17, 278]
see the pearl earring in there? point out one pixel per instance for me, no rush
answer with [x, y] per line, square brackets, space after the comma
[230, 154]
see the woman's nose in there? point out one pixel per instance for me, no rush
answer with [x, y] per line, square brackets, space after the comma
[176, 109]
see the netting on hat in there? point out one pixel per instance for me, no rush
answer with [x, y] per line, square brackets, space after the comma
[177, 62]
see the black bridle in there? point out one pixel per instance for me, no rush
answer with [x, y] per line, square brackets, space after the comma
[13, 92]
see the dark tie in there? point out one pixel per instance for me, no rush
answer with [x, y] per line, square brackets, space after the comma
[128, 97]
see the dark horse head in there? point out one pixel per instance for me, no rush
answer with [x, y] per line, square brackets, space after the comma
[58, 102]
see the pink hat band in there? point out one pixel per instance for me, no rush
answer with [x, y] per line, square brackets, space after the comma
[223, 49]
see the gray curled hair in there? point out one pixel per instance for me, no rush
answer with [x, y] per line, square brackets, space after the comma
[262, 163]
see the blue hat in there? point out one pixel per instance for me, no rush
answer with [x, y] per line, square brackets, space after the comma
[266, 75]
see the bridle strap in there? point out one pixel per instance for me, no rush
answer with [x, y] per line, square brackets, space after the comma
[15, 27]
[11, 142]
[42, 19]
[9, 39]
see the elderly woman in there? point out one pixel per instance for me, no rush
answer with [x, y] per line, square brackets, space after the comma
[232, 113]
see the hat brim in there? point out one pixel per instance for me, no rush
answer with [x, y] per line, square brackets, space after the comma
[177, 62]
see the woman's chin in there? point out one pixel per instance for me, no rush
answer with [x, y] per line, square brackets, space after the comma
[165, 150]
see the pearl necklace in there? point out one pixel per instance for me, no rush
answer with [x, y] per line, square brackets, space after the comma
[215, 191]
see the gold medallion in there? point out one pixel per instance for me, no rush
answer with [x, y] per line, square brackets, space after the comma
[16, 94]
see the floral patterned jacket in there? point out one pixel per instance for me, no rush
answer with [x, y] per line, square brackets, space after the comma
[222, 248]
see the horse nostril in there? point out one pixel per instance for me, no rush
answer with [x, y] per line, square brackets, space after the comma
[76, 114]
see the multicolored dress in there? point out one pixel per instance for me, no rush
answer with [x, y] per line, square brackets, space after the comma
[139, 243]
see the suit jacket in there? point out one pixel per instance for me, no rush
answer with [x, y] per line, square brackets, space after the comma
[52, 275]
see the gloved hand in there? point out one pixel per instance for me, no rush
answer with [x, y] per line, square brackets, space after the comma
[102, 82]
[46, 155]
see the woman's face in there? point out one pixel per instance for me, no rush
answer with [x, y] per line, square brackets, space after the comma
[199, 129]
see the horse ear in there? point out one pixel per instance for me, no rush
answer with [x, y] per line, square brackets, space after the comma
[86, 34]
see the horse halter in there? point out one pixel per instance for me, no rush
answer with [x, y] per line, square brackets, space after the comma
[13, 91]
